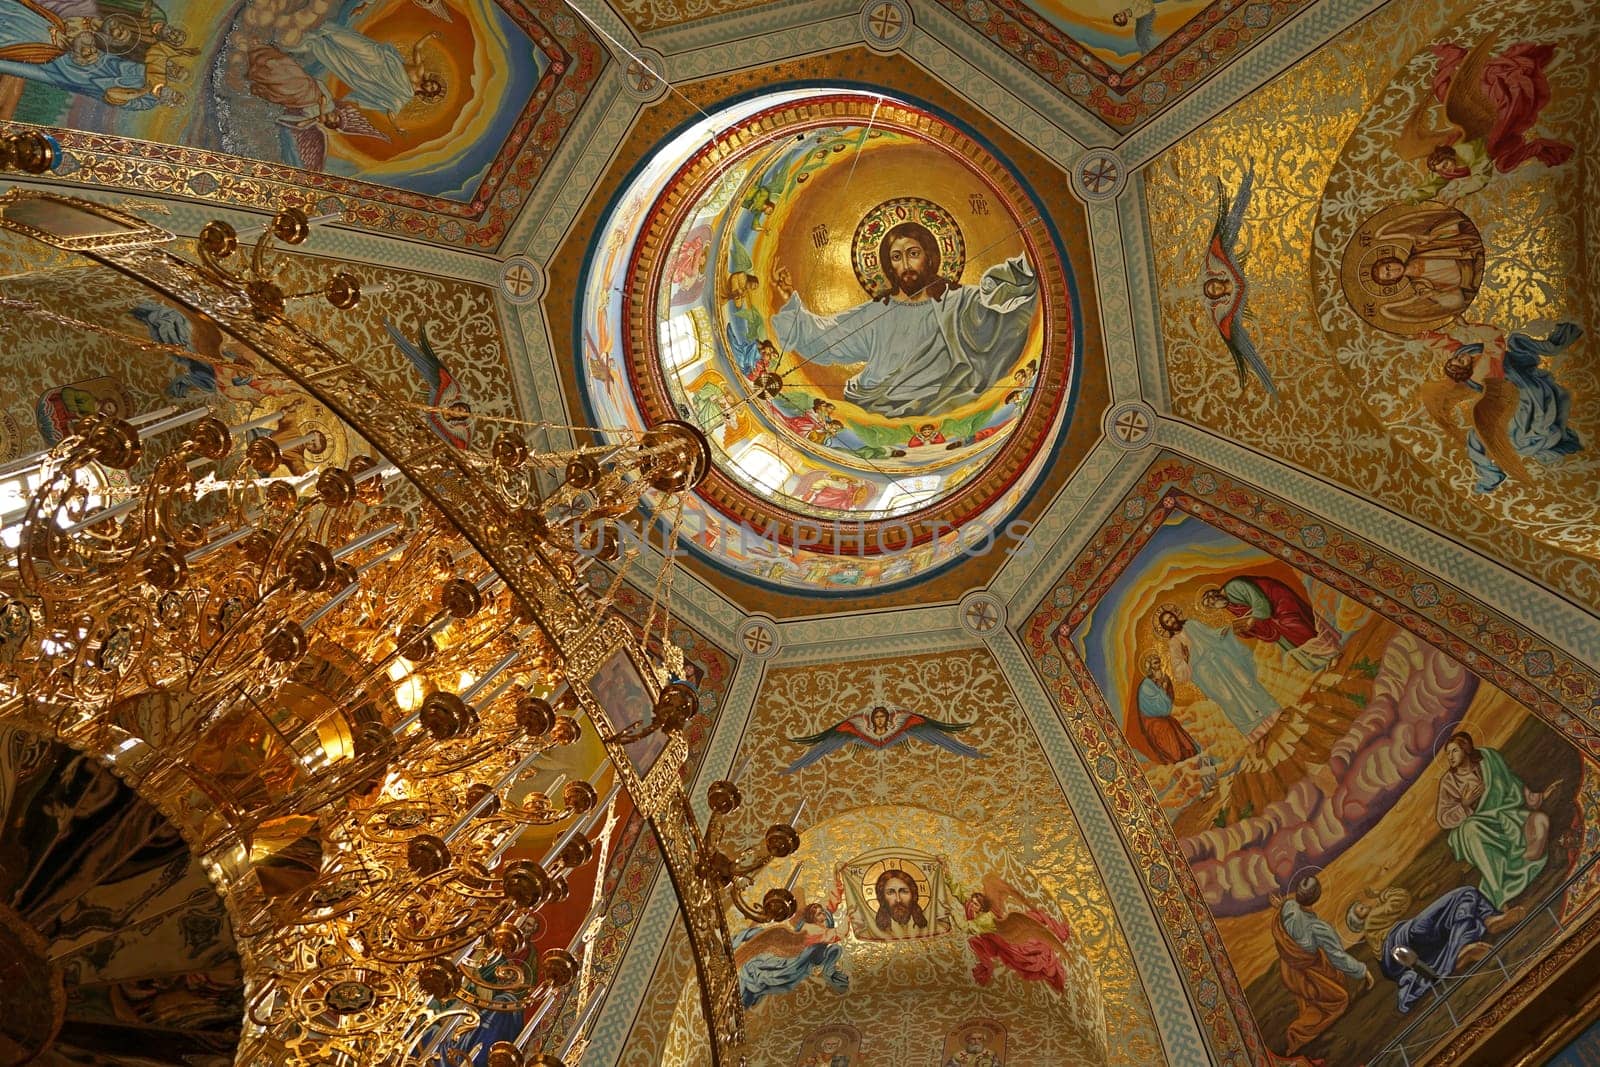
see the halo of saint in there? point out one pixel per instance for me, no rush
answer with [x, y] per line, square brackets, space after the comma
[905, 211]
[1413, 267]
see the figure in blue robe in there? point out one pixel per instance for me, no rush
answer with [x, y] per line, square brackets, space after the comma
[777, 958]
[375, 72]
[1539, 427]
[1437, 934]
[110, 79]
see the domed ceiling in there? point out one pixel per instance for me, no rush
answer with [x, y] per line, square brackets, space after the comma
[881, 376]
[1229, 454]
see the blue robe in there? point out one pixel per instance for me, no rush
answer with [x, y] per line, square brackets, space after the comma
[374, 71]
[761, 976]
[1437, 934]
[106, 73]
[1539, 428]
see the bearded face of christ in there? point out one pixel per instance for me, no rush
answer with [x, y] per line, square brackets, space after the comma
[899, 894]
[910, 257]
[909, 264]
[898, 903]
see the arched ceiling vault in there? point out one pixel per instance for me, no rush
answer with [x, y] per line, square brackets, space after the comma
[1333, 485]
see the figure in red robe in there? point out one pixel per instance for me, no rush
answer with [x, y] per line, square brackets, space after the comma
[1004, 929]
[1491, 101]
[1267, 609]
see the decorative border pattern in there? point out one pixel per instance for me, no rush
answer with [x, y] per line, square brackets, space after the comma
[628, 883]
[1560, 689]
[576, 59]
[1124, 99]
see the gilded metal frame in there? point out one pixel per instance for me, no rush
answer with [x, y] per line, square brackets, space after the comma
[568, 618]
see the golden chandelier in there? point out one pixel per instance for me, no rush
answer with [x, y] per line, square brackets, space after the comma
[343, 682]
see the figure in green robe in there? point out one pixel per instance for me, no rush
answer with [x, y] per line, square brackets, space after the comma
[1496, 822]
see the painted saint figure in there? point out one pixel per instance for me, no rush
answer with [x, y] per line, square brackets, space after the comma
[1519, 409]
[927, 344]
[1439, 268]
[1496, 823]
[974, 1052]
[1267, 609]
[777, 958]
[1222, 668]
[1312, 962]
[1164, 734]
[831, 1052]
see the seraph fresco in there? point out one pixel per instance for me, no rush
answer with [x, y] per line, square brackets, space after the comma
[1363, 815]
[880, 727]
[1224, 286]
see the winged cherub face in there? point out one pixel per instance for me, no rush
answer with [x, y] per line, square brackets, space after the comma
[881, 719]
[1216, 288]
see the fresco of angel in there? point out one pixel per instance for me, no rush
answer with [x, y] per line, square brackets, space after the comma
[310, 132]
[444, 395]
[1005, 929]
[1490, 103]
[1518, 409]
[212, 368]
[881, 727]
[1224, 286]
[776, 958]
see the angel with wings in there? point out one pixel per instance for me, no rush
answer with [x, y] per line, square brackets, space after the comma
[1004, 928]
[310, 132]
[1490, 103]
[777, 958]
[1518, 408]
[1224, 286]
[448, 414]
[881, 727]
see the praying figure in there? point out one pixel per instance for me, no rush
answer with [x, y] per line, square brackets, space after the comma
[1496, 823]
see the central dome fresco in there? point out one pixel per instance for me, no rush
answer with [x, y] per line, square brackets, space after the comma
[866, 312]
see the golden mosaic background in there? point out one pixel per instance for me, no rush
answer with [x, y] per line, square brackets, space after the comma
[1294, 130]
[41, 355]
[1011, 794]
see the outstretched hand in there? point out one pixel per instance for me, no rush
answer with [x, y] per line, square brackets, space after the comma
[783, 282]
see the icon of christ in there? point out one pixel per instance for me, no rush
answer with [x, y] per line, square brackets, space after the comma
[926, 344]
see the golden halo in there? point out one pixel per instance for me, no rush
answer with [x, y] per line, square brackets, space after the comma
[891, 213]
[1400, 232]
